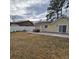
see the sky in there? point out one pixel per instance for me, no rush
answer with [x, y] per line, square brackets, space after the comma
[33, 10]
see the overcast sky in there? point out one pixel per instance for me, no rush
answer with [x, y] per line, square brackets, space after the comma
[28, 9]
[33, 10]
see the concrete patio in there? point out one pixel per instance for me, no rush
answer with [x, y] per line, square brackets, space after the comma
[52, 34]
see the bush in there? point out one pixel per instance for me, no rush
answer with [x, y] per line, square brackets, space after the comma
[36, 30]
[24, 31]
[17, 31]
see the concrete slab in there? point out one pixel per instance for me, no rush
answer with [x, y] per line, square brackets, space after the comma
[52, 34]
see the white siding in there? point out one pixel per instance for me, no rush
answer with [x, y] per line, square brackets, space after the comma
[21, 28]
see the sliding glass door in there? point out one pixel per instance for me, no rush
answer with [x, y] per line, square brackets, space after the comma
[62, 28]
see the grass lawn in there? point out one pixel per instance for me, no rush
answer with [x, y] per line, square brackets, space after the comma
[31, 46]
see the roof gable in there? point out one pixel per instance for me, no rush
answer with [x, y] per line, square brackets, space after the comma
[62, 18]
[50, 22]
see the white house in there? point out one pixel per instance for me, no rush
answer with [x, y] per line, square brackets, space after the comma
[22, 26]
[60, 25]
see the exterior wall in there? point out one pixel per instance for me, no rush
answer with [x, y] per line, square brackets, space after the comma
[41, 27]
[21, 28]
[54, 27]
[38, 27]
[45, 29]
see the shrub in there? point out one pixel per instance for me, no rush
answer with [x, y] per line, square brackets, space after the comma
[36, 30]
[24, 30]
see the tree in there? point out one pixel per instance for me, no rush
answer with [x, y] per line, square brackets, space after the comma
[67, 5]
[49, 15]
[62, 3]
[54, 7]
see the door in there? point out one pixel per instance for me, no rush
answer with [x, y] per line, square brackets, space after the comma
[62, 28]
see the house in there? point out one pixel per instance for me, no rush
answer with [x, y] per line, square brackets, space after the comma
[21, 26]
[60, 25]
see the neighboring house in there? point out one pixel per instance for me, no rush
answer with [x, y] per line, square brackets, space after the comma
[59, 26]
[21, 26]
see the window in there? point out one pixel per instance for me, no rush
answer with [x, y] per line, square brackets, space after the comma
[46, 26]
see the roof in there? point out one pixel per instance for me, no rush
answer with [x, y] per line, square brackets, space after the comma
[43, 22]
[63, 17]
[48, 22]
[23, 23]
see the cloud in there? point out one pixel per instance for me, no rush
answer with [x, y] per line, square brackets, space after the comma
[28, 8]
[21, 4]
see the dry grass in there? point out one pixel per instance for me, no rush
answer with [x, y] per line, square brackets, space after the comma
[32, 46]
